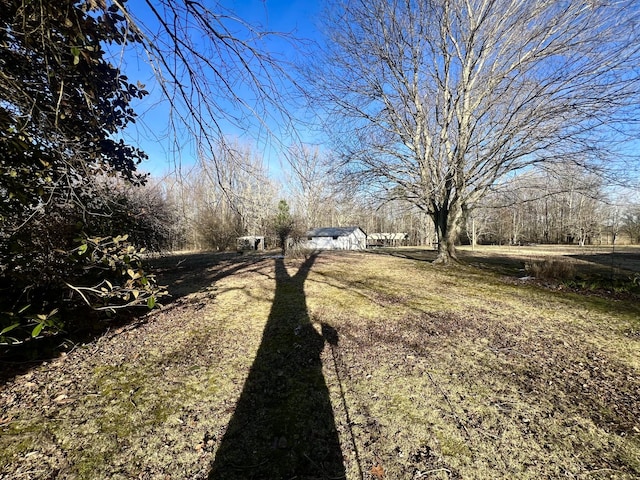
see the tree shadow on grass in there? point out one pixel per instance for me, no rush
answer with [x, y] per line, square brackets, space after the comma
[182, 274]
[614, 265]
[283, 425]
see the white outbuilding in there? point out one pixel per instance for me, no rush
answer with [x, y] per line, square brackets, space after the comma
[388, 239]
[336, 238]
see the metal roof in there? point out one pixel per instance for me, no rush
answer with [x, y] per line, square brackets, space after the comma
[332, 231]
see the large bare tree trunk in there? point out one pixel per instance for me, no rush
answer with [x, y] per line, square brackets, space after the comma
[447, 222]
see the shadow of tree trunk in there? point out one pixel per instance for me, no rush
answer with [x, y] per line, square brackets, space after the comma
[283, 426]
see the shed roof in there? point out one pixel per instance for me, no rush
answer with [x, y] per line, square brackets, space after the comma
[332, 231]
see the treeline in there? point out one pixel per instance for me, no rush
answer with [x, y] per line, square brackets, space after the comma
[569, 207]
[208, 210]
[202, 209]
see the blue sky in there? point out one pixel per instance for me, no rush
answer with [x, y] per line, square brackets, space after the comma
[297, 18]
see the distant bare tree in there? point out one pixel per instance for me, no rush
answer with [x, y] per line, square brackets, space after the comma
[631, 222]
[218, 205]
[562, 206]
[441, 99]
[310, 182]
[244, 183]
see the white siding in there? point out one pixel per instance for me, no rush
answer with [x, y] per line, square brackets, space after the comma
[356, 240]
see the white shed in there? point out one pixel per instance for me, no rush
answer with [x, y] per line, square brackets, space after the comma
[388, 239]
[337, 238]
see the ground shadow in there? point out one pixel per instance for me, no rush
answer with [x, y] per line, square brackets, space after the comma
[419, 254]
[283, 425]
[182, 274]
[611, 264]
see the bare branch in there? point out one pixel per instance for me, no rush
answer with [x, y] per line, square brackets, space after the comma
[440, 100]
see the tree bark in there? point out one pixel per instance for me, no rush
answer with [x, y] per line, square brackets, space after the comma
[446, 221]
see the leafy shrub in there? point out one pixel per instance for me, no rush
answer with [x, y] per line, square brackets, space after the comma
[67, 262]
[101, 275]
[116, 279]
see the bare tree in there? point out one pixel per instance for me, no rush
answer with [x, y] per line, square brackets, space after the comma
[441, 99]
[218, 205]
[563, 206]
[215, 73]
[311, 183]
[244, 184]
[631, 223]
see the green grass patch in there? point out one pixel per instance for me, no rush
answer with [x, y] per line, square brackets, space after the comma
[427, 372]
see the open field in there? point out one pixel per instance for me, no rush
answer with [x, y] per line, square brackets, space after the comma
[342, 365]
[606, 261]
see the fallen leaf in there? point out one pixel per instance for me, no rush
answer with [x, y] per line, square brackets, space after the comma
[377, 471]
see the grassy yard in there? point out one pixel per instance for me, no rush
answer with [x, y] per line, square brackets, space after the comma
[344, 365]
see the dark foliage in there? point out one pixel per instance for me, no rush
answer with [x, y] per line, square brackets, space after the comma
[61, 104]
[283, 224]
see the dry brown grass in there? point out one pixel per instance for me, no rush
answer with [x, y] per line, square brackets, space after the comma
[551, 268]
[608, 260]
[437, 374]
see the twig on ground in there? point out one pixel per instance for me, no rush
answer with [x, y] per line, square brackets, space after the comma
[429, 472]
[446, 397]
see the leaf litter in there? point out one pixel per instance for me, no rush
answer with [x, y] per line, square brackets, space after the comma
[433, 373]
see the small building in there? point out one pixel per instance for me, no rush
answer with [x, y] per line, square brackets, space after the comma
[336, 238]
[250, 242]
[388, 239]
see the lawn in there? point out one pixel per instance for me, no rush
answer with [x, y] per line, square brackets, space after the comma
[341, 365]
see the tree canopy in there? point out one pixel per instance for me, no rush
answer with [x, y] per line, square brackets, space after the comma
[62, 100]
